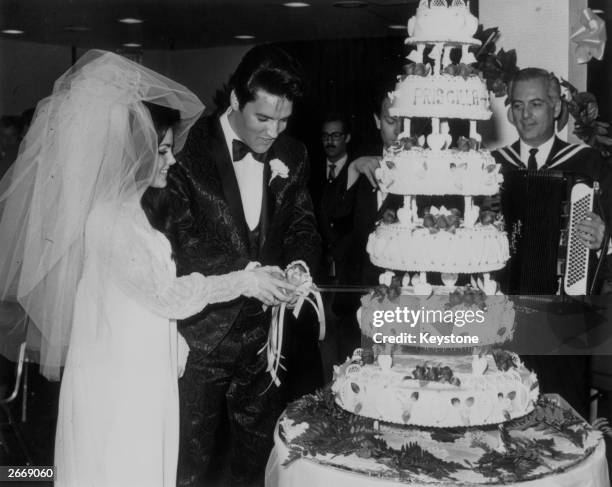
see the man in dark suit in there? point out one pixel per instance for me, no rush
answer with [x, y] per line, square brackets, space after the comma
[370, 202]
[333, 202]
[535, 104]
[369, 206]
[240, 198]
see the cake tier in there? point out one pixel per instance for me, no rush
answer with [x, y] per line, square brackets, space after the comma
[395, 396]
[452, 171]
[441, 96]
[395, 246]
[339, 448]
[440, 22]
[449, 318]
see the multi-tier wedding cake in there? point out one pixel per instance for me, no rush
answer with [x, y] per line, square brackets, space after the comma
[463, 380]
[435, 401]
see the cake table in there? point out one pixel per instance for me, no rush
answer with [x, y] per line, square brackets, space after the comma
[366, 463]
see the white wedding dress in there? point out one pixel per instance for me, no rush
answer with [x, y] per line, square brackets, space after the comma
[118, 422]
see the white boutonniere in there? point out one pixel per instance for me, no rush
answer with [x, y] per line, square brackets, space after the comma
[278, 169]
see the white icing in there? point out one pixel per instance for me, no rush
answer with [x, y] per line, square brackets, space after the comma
[422, 171]
[440, 22]
[393, 396]
[468, 250]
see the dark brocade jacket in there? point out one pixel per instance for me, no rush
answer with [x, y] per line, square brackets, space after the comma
[213, 237]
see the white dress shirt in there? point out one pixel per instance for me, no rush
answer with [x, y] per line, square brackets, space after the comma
[249, 174]
[380, 198]
[338, 165]
[542, 154]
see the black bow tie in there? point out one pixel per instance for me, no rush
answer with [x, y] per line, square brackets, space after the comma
[240, 150]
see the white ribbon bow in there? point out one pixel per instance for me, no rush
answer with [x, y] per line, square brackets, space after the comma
[590, 36]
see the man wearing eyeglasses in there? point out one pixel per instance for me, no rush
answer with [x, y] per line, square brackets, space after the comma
[334, 207]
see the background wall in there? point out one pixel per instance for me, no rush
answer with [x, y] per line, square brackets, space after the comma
[342, 70]
[203, 70]
[27, 73]
[28, 70]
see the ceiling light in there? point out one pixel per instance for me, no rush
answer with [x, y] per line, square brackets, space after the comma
[351, 4]
[14, 32]
[244, 37]
[130, 20]
[296, 4]
[397, 26]
[132, 44]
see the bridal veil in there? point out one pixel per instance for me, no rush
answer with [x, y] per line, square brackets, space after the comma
[92, 141]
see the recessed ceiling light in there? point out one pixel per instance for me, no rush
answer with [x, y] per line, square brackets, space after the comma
[77, 28]
[397, 26]
[296, 4]
[132, 44]
[351, 4]
[130, 20]
[244, 37]
[14, 32]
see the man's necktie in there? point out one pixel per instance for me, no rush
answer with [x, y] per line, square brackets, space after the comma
[532, 164]
[332, 172]
[240, 150]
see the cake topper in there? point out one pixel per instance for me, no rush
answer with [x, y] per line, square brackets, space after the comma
[436, 20]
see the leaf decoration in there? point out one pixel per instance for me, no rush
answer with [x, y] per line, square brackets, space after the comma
[332, 432]
[584, 109]
[497, 69]
[416, 459]
[446, 435]
[603, 425]
[548, 414]
[505, 360]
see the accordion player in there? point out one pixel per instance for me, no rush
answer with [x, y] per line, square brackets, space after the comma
[541, 210]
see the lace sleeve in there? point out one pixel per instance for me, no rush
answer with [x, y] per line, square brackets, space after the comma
[138, 261]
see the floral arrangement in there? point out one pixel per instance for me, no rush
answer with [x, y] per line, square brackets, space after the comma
[583, 108]
[497, 68]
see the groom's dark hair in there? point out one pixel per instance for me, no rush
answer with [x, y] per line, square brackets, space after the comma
[270, 69]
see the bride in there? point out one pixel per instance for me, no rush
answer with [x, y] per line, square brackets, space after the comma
[82, 256]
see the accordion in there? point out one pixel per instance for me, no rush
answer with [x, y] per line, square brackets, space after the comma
[541, 210]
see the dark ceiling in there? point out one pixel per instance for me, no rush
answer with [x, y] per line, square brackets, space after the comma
[189, 24]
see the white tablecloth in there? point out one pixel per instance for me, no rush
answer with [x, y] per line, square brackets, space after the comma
[593, 472]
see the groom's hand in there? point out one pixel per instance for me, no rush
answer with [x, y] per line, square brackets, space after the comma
[272, 288]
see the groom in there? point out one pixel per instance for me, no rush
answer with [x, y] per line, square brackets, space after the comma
[240, 199]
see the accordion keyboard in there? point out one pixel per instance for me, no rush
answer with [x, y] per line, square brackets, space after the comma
[577, 258]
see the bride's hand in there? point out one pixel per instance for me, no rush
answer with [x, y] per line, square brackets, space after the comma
[269, 285]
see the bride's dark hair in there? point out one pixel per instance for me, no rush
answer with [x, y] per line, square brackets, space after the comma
[155, 201]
